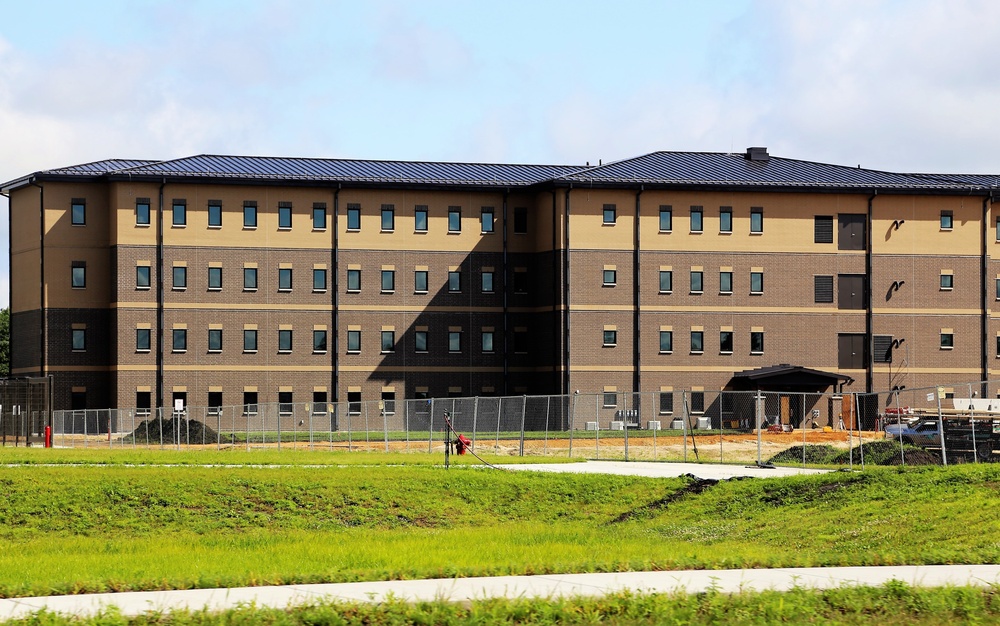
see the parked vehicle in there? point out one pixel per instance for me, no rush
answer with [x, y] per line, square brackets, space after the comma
[963, 437]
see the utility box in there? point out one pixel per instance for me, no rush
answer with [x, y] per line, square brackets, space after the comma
[653, 425]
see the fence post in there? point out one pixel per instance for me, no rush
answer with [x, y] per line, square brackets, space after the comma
[430, 428]
[385, 424]
[524, 409]
[572, 421]
[759, 411]
[944, 454]
[597, 436]
[496, 446]
[972, 423]
[475, 416]
[545, 443]
[802, 424]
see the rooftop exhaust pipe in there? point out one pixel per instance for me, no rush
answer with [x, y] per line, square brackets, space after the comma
[758, 155]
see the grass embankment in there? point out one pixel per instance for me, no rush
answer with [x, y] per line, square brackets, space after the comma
[90, 528]
[891, 604]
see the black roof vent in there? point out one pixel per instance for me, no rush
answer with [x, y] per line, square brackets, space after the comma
[759, 155]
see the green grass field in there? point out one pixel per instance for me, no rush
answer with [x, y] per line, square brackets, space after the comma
[98, 521]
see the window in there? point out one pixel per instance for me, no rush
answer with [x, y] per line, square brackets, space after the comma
[319, 216]
[388, 341]
[78, 273]
[696, 219]
[726, 341]
[947, 282]
[852, 231]
[697, 279]
[998, 229]
[142, 277]
[249, 279]
[666, 341]
[610, 399]
[180, 277]
[284, 340]
[420, 219]
[610, 214]
[610, 337]
[215, 340]
[666, 281]
[249, 340]
[388, 218]
[610, 278]
[697, 341]
[389, 402]
[520, 220]
[142, 211]
[250, 403]
[319, 403]
[78, 212]
[454, 281]
[757, 342]
[353, 217]
[179, 213]
[79, 339]
[666, 219]
[420, 281]
[520, 282]
[520, 341]
[823, 289]
[823, 229]
[454, 219]
[455, 341]
[998, 288]
[998, 346]
[143, 402]
[353, 341]
[78, 400]
[179, 340]
[756, 220]
[284, 279]
[285, 215]
[215, 213]
[757, 282]
[487, 281]
[286, 405]
[947, 220]
[666, 402]
[214, 278]
[725, 282]
[697, 401]
[142, 340]
[319, 341]
[319, 279]
[420, 341]
[249, 214]
[388, 281]
[726, 219]
[947, 339]
[486, 219]
[353, 280]
[354, 402]
[487, 341]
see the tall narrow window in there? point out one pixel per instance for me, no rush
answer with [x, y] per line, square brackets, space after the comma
[179, 340]
[454, 281]
[756, 220]
[179, 213]
[666, 341]
[79, 340]
[486, 219]
[420, 281]
[284, 279]
[454, 341]
[354, 341]
[353, 280]
[388, 341]
[520, 282]
[249, 214]
[78, 212]
[666, 281]
[756, 282]
[947, 220]
[215, 213]
[319, 216]
[388, 218]
[756, 342]
[487, 281]
[697, 219]
[142, 340]
[697, 341]
[249, 340]
[284, 340]
[697, 281]
[420, 219]
[249, 279]
[142, 211]
[726, 341]
[286, 404]
[215, 340]
[725, 282]
[420, 341]
[487, 341]
[726, 219]
[319, 341]
[180, 277]
[520, 220]
[78, 275]
[388, 281]
[353, 217]
[285, 215]
[319, 279]
[214, 278]
[142, 280]
[454, 219]
[666, 219]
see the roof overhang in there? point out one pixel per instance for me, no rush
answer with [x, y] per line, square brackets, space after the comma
[789, 376]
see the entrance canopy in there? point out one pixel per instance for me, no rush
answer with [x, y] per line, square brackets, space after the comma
[787, 377]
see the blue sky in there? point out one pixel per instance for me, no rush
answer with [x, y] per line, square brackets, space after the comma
[896, 85]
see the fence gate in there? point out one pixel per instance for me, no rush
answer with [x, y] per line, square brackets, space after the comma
[24, 410]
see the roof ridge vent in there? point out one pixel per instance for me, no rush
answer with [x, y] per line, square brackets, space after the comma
[757, 154]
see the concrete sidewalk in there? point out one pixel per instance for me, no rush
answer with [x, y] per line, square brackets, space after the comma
[463, 589]
[665, 470]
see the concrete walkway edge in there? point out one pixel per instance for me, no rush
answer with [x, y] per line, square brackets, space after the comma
[544, 586]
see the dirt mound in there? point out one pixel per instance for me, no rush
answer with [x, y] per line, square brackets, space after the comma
[814, 453]
[175, 430]
[886, 452]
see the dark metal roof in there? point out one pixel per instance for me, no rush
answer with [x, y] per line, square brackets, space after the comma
[721, 169]
[357, 171]
[785, 370]
[982, 180]
[106, 166]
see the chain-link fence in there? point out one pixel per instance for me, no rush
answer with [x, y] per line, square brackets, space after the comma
[24, 410]
[902, 426]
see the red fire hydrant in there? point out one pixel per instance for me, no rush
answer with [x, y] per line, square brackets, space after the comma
[461, 444]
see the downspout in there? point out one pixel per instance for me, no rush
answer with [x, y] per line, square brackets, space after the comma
[566, 293]
[159, 297]
[984, 314]
[636, 326]
[503, 289]
[869, 312]
[557, 386]
[335, 314]
[43, 314]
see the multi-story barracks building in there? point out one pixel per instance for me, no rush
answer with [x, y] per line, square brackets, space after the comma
[220, 280]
